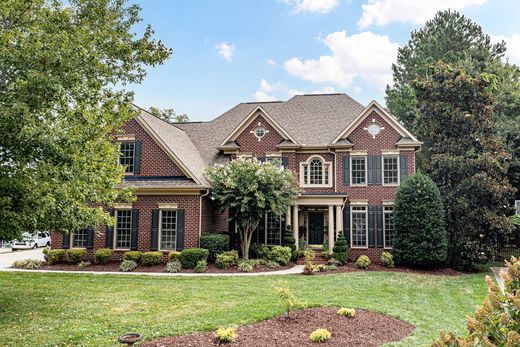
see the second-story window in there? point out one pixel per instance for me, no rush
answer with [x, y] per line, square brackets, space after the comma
[390, 171]
[127, 156]
[359, 170]
[316, 172]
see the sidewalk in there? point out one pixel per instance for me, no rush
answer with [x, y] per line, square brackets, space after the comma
[295, 270]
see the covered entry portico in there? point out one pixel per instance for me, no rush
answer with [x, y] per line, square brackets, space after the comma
[320, 216]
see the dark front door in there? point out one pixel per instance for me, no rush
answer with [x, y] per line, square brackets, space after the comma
[316, 228]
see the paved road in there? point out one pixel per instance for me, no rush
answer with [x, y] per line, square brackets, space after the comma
[7, 259]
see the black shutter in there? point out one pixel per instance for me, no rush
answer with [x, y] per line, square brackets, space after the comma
[135, 229]
[370, 170]
[403, 163]
[377, 169]
[261, 231]
[180, 230]
[137, 157]
[66, 241]
[346, 170]
[285, 162]
[109, 232]
[90, 238]
[346, 223]
[379, 219]
[371, 241]
[155, 230]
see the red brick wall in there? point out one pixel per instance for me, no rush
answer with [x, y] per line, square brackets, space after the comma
[212, 219]
[249, 142]
[154, 161]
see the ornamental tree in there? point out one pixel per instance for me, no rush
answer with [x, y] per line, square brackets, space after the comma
[249, 189]
[420, 237]
[62, 68]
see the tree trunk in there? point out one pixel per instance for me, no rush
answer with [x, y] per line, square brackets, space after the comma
[245, 240]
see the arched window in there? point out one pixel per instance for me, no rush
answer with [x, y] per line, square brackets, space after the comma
[315, 172]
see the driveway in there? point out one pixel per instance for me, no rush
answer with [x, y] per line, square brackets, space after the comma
[7, 259]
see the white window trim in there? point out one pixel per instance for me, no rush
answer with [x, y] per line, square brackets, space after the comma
[114, 237]
[352, 227]
[324, 165]
[384, 226]
[119, 157]
[366, 170]
[72, 242]
[159, 233]
[383, 171]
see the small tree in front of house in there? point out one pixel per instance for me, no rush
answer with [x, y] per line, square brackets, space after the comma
[249, 189]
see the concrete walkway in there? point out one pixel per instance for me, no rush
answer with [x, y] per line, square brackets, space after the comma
[295, 270]
[498, 276]
[8, 258]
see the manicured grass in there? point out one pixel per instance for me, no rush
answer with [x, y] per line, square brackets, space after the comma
[92, 310]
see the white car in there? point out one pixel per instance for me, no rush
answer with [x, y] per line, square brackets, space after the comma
[28, 241]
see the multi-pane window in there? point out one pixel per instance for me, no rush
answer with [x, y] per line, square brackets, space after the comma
[127, 156]
[359, 226]
[358, 170]
[79, 238]
[316, 172]
[389, 226]
[390, 170]
[517, 205]
[123, 232]
[168, 229]
[273, 229]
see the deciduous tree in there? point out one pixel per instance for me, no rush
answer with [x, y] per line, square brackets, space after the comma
[169, 115]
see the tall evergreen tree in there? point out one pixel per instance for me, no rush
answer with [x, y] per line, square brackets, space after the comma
[466, 159]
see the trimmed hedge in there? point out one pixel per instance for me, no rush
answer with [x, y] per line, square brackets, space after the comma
[227, 259]
[174, 255]
[191, 256]
[151, 258]
[103, 255]
[55, 256]
[340, 249]
[75, 256]
[215, 244]
[133, 255]
[280, 255]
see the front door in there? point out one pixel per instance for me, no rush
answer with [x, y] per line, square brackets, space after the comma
[316, 228]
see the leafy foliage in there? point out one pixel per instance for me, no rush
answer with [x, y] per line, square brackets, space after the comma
[103, 255]
[226, 334]
[497, 322]
[320, 335]
[346, 312]
[190, 257]
[61, 61]
[174, 255]
[55, 256]
[246, 266]
[173, 266]
[127, 265]
[363, 262]
[227, 259]
[288, 299]
[387, 259]
[466, 161]
[151, 258]
[280, 255]
[29, 264]
[340, 249]
[169, 115]
[290, 241]
[75, 256]
[215, 244]
[83, 265]
[202, 266]
[420, 238]
[133, 255]
[249, 189]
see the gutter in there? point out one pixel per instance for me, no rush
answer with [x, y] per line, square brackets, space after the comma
[200, 213]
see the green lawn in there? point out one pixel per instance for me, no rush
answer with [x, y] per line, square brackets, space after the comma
[87, 310]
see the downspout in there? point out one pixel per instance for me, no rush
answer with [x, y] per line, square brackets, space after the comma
[335, 171]
[200, 213]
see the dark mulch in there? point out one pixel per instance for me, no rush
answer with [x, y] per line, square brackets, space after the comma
[365, 329]
[114, 267]
[351, 267]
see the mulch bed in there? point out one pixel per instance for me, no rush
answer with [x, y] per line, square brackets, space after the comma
[351, 267]
[114, 267]
[365, 329]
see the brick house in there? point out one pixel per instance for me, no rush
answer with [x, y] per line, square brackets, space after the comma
[349, 160]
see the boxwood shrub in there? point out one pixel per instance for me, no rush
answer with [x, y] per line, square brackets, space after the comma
[151, 258]
[133, 255]
[174, 255]
[280, 255]
[103, 255]
[55, 256]
[340, 249]
[227, 259]
[190, 257]
[215, 244]
[75, 256]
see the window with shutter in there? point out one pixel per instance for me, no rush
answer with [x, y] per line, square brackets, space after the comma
[359, 227]
[123, 229]
[126, 158]
[358, 165]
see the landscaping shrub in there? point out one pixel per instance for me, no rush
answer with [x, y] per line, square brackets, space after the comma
[325, 248]
[227, 259]
[280, 255]
[103, 255]
[30, 264]
[246, 266]
[133, 255]
[340, 249]
[497, 322]
[290, 241]
[215, 244]
[320, 335]
[202, 266]
[363, 262]
[174, 255]
[190, 257]
[127, 265]
[260, 251]
[331, 267]
[55, 256]
[272, 264]
[151, 258]
[83, 265]
[387, 259]
[420, 238]
[346, 312]
[288, 299]
[226, 334]
[75, 256]
[173, 266]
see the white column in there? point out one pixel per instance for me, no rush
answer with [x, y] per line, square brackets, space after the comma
[295, 224]
[331, 227]
[288, 216]
[339, 219]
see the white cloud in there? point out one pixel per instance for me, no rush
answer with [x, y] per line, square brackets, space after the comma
[324, 90]
[225, 50]
[265, 90]
[318, 6]
[357, 89]
[271, 62]
[512, 44]
[365, 55]
[382, 12]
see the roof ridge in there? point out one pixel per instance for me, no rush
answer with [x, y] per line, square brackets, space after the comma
[159, 118]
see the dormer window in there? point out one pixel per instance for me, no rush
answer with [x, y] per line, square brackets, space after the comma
[127, 155]
[316, 172]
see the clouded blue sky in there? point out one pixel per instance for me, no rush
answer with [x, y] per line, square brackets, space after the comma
[232, 51]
